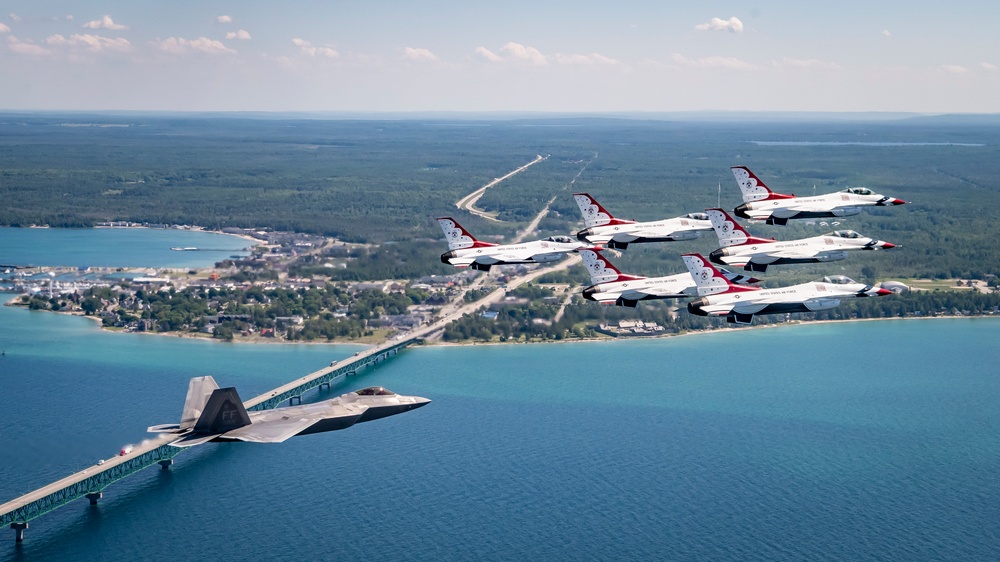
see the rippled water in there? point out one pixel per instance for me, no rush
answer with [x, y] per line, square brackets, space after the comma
[870, 440]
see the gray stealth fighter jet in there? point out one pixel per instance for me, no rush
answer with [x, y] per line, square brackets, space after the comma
[217, 414]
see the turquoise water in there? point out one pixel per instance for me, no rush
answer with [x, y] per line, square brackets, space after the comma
[116, 247]
[869, 440]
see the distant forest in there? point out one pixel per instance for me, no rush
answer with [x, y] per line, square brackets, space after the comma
[380, 181]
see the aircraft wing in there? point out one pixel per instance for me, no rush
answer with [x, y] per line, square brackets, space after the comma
[191, 440]
[790, 255]
[273, 431]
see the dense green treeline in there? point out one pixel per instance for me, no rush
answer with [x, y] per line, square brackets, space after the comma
[379, 181]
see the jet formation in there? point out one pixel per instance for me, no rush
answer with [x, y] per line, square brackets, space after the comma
[717, 291]
[213, 414]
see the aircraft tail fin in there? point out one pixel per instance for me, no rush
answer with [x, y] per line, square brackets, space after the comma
[593, 213]
[601, 270]
[753, 189]
[200, 389]
[223, 412]
[730, 232]
[459, 238]
[708, 279]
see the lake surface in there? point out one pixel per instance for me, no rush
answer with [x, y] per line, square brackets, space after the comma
[866, 440]
[116, 247]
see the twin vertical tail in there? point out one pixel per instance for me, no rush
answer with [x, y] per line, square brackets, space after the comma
[752, 187]
[459, 238]
[208, 409]
[593, 213]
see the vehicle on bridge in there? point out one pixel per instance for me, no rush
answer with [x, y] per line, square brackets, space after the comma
[217, 414]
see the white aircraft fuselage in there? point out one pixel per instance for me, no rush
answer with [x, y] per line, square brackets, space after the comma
[845, 203]
[465, 251]
[739, 304]
[603, 228]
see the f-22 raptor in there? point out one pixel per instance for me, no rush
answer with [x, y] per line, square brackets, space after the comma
[217, 414]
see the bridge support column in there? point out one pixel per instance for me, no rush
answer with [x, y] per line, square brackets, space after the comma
[94, 496]
[19, 530]
[165, 464]
[322, 384]
[291, 401]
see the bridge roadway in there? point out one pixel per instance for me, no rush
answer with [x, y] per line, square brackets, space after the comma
[91, 481]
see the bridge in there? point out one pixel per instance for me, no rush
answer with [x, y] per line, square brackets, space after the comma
[90, 482]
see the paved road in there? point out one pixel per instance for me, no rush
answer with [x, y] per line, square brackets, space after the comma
[467, 203]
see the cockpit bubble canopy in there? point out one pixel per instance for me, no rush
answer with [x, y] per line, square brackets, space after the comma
[859, 191]
[563, 239]
[843, 234]
[374, 391]
[839, 280]
[697, 216]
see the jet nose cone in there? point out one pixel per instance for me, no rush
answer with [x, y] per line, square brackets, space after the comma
[888, 245]
[882, 291]
[897, 202]
[419, 401]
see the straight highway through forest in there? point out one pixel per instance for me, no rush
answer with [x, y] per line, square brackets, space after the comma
[467, 203]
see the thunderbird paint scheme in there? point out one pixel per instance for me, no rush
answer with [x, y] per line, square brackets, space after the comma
[603, 228]
[739, 303]
[740, 249]
[217, 414]
[760, 203]
[611, 286]
[466, 251]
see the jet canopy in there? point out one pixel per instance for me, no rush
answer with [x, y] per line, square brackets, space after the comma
[374, 391]
[697, 216]
[843, 234]
[839, 280]
[859, 191]
[563, 239]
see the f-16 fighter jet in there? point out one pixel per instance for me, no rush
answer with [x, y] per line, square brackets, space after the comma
[740, 249]
[603, 228]
[611, 286]
[760, 203]
[217, 414]
[466, 251]
[739, 304]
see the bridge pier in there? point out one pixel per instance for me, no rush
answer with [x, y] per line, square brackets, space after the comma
[94, 496]
[322, 384]
[19, 530]
[165, 465]
[291, 401]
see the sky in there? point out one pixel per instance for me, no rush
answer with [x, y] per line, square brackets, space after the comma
[515, 56]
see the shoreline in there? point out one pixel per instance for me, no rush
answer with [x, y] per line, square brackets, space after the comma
[268, 341]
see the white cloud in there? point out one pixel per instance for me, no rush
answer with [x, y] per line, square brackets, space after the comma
[988, 66]
[713, 62]
[94, 43]
[69, 17]
[241, 34]
[488, 55]
[180, 46]
[592, 58]
[418, 54]
[886, 33]
[25, 48]
[224, 19]
[14, 17]
[4, 28]
[732, 25]
[307, 48]
[955, 69]
[104, 23]
[807, 63]
[522, 53]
